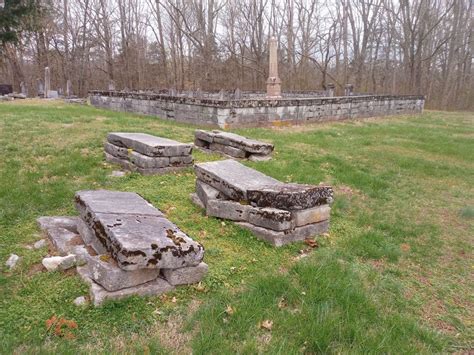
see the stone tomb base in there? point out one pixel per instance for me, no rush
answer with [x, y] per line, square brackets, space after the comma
[276, 212]
[121, 258]
[147, 154]
[232, 145]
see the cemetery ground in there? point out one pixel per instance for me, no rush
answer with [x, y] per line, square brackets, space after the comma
[393, 275]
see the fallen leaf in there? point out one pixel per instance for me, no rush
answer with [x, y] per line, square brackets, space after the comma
[405, 247]
[311, 242]
[174, 300]
[266, 324]
[229, 310]
[200, 287]
[282, 303]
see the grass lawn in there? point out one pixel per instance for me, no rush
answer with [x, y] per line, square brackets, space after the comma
[394, 275]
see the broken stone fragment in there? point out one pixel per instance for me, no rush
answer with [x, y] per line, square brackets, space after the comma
[149, 145]
[104, 270]
[290, 196]
[63, 239]
[232, 178]
[66, 222]
[12, 261]
[185, 275]
[99, 295]
[196, 200]
[135, 233]
[285, 237]
[40, 244]
[59, 262]
[80, 301]
[206, 192]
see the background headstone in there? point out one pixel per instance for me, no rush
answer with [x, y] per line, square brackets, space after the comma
[47, 82]
[111, 85]
[68, 88]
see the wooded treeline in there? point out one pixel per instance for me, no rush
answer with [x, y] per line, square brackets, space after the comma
[380, 46]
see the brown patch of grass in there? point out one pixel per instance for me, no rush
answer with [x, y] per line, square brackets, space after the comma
[35, 269]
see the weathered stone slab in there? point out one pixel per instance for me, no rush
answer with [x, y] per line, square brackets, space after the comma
[185, 275]
[259, 157]
[271, 218]
[99, 295]
[206, 192]
[54, 263]
[232, 178]
[139, 236]
[227, 149]
[126, 164]
[181, 160]
[146, 162]
[89, 238]
[281, 238]
[290, 196]
[66, 222]
[311, 215]
[104, 270]
[237, 141]
[116, 202]
[196, 200]
[227, 209]
[63, 240]
[116, 151]
[201, 143]
[149, 145]
[204, 135]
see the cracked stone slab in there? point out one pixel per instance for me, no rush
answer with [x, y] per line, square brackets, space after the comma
[227, 209]
[234, 140]
[206, 192]
[126, 164]
[186, 275]
[146, 162]
[285, 237]
[244, 143]
[290, 196]
[233, 178]
[227, 149]
[149, 145]
[137, 235]
[89, 238]
[119, 152]
[104, 270]
[99, 295]
[66, 222]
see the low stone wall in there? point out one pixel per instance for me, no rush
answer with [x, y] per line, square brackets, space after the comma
[257, 112]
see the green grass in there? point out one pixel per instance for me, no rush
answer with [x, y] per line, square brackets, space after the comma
[394, 275]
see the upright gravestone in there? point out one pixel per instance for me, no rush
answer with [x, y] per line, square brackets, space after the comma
[23, 88]
[47, 82]
[274, 81]
[222, 95]
[111, 85]
[40, 87]
[330, 89]
[237, 94]
[348, 90]
[68, 88]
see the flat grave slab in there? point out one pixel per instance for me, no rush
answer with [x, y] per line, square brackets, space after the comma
[149, 145]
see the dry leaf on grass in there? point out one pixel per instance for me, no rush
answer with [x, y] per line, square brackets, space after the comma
[282, 303]
[311, 243]
[266, 324]
[229, 310]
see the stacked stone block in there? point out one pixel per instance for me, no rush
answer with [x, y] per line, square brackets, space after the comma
[147, 154]
[279, 213]
[232, 145]
[128, 247]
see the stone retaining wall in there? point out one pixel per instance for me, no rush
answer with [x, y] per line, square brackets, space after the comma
[257, 112]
